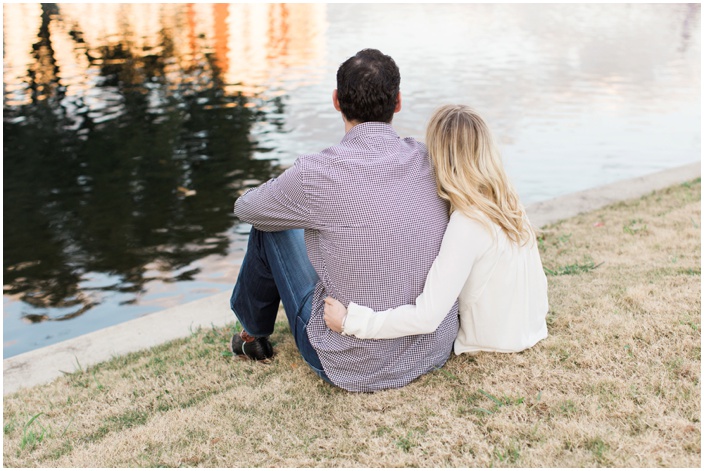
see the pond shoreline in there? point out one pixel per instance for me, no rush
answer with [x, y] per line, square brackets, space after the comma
[47, 363]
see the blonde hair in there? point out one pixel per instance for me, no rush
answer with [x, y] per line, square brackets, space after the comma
[469, 172]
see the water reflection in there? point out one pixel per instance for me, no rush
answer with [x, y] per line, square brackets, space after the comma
[127, 138]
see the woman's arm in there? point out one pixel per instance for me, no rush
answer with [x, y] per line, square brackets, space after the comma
[464, 241]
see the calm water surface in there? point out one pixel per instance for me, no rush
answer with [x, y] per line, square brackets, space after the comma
[129, 130]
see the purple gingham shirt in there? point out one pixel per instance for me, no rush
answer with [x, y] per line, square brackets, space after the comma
[373, 226]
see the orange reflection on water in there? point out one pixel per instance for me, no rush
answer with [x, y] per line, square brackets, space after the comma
[253, 44]
[21, 24]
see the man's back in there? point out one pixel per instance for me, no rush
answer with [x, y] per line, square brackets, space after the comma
[374, 225]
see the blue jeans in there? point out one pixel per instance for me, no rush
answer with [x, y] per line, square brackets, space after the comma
[276, 268]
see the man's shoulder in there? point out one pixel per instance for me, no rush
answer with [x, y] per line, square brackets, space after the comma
[314, 161]
[412, 141]
[349, 150]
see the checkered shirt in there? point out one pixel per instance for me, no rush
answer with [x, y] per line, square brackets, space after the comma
[373, 226]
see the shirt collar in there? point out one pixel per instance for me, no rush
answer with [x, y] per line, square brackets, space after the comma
[370, 128]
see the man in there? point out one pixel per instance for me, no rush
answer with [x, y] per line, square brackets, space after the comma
[373, 225]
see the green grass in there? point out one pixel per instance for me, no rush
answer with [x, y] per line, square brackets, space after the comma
[635, 226]
[599, 448]
[406, 443]
[572, 269]
[31, 437]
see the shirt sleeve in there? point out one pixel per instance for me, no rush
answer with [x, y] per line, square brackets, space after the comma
[276, 205]
[464, 241]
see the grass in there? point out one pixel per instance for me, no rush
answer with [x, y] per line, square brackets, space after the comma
[616, 383]
[572, 269]
[31, 437]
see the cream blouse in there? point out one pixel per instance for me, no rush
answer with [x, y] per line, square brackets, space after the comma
[500, 286]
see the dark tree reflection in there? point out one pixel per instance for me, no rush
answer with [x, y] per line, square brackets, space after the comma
[151, 178]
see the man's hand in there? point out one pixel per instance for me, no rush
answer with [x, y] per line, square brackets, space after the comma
[335, 314]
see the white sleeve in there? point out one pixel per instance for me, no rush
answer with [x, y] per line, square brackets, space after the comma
[464, 241]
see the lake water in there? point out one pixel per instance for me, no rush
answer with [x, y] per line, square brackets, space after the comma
[129, 130]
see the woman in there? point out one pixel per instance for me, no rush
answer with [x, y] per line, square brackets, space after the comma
[488, 261]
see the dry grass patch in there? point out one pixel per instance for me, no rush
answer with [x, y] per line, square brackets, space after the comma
[617, 382]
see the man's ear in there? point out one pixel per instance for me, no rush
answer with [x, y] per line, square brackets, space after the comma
[335, 101]
[398, 103]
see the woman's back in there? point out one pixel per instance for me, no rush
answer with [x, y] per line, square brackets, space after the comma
[503, 302]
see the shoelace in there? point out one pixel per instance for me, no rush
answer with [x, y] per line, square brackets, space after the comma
[244, 342]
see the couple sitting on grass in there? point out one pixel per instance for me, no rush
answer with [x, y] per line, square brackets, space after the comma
[426, 247]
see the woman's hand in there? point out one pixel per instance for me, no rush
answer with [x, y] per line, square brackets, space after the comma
[335, 314]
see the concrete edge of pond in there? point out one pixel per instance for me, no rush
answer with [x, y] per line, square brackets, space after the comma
[47, 363]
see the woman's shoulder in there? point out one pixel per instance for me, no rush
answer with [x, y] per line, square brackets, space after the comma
[477, 226]
[474, 221]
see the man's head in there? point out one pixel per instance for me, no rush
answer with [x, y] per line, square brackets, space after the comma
[368, 87]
